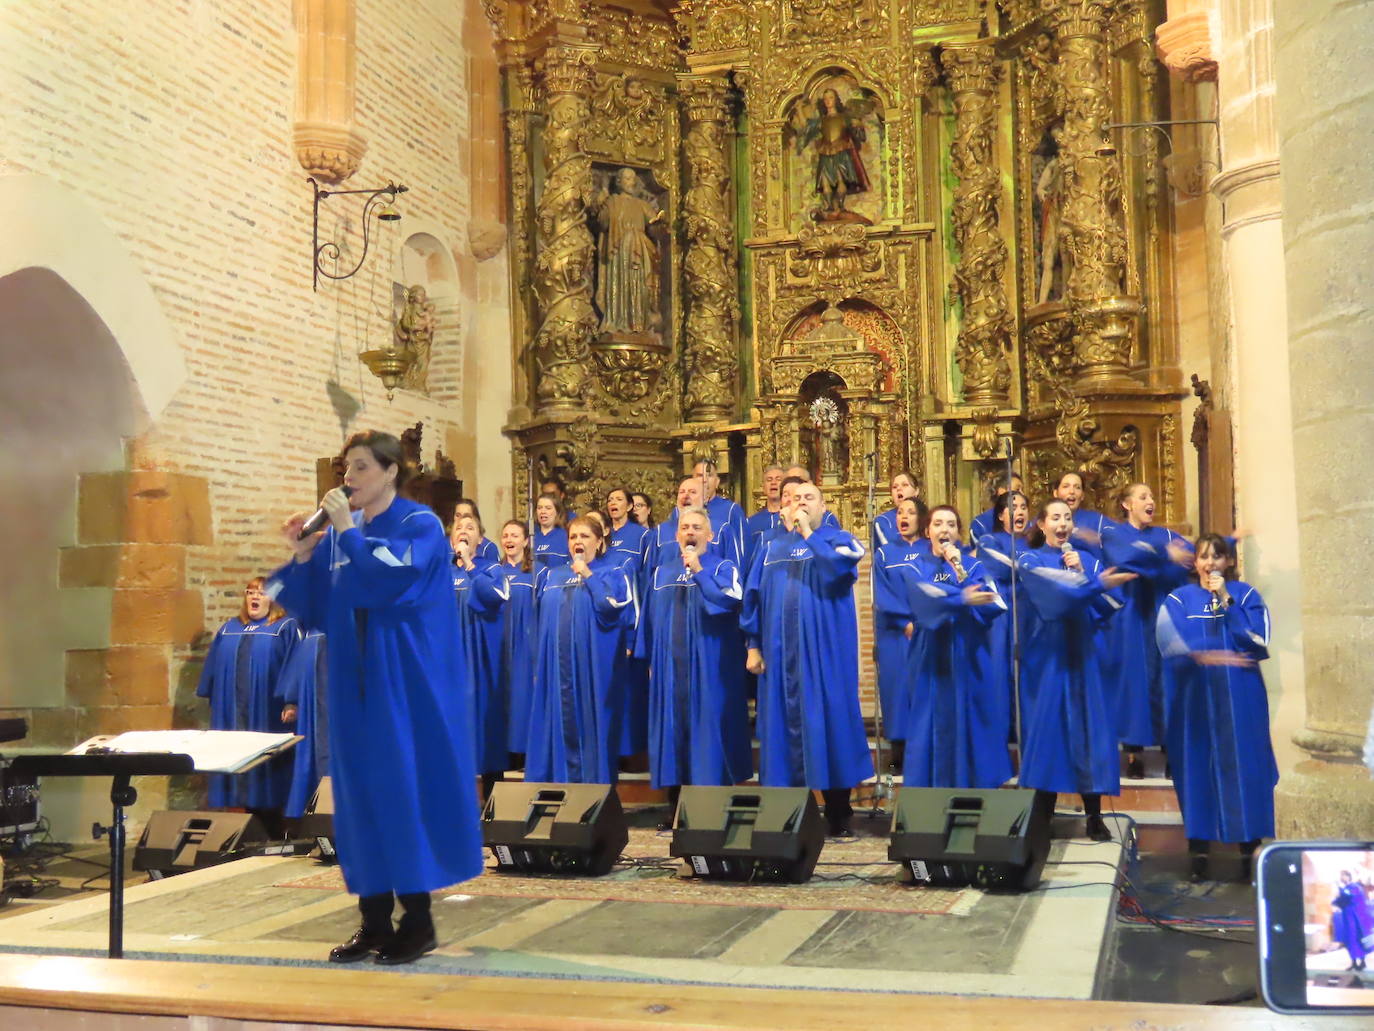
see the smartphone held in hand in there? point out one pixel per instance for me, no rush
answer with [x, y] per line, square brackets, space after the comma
[1316, 926]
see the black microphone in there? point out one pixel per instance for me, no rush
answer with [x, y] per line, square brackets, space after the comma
[317, 522]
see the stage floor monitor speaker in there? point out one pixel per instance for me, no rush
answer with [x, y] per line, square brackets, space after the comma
[176, 841]
[748, 833]
[996, 839]
[318, 822]
[555, 828]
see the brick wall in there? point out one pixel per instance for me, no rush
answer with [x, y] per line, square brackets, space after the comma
[173, 119]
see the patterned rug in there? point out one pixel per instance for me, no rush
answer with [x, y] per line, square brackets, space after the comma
[853, 875]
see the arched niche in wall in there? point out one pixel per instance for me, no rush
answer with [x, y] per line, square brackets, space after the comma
[425, 293]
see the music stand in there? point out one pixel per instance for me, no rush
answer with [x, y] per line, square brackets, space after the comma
[122, 767]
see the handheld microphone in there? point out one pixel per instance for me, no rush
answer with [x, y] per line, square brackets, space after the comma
[957, 565]
[317, 522]
[1066, 549]
[690, 549]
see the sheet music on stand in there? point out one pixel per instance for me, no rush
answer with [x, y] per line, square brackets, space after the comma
[213, 751]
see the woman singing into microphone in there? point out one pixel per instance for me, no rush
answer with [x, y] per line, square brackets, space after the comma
[379, 583]
[1213, 634]
[1070, 736]
[578, 701]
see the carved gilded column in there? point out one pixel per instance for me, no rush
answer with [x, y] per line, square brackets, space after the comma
[972, 71]
[1092, 222]
[709, 255]
[327, 144]
[566, 251]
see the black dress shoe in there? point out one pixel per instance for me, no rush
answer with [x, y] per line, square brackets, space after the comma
[1097, 829]
[843, 831]
[408, 944]
[359, 946]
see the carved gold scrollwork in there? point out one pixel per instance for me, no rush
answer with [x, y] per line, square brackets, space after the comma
[972, 71]
[709, 262]
[833, 253]
[567, 253]
[711, 25]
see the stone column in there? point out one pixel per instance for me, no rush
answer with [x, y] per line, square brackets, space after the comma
[327, 144]
[1326, 144]
[709, 278]
[566, 251]
[1092, 224]
[972, 71]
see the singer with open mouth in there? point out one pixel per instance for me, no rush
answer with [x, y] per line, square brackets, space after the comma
[1213, 633]
[1069, 733]
[578, 698]
[378, 581]
[689, 632]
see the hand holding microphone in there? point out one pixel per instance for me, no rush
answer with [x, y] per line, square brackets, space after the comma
[1071, 559]
[579, 564]
[952, 556]
[333, 506]
[690, 559]
[1216, 583]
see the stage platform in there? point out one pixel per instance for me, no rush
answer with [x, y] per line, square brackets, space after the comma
[855, 925]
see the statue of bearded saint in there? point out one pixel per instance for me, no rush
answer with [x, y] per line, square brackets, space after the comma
[627, 259]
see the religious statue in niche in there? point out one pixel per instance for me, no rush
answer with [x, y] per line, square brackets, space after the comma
[824, 422]
[413, 334]
[834, 138]
[627, 260]
[1047, 172]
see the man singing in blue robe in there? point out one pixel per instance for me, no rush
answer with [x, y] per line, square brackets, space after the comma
[698, 712]
[726, 515]
[801, 628]
[765, 518]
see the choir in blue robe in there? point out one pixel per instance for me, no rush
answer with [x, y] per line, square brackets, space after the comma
[400, 755]
[241, 678]
[1088, 529]
[698, 710]
[727, 528]
[518, 641]
[1132, 668]
[1218, 736]
[799, 610]
[303, 682]
[578, 695]
[549, 549]
[479, 598]
[892, 648]
[995, 551]
[486, 551]
[1351, 920]
[982, 524]
[755, 527]
[626, 547]
[1070, 740]
[884, 530]
[956, 721]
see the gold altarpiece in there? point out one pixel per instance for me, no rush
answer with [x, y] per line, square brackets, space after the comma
[861, 235]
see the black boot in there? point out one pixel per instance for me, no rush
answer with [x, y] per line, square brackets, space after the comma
[1247, 860]
[1197, 858]
[1096, 828]
[414, 933]
[374, 933]
[838, 812]
[1135, 765]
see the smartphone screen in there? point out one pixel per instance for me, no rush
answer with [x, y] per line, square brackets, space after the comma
[1316, 920]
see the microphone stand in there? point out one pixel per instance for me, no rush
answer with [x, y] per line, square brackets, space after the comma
[1017, 715]
[882, 780]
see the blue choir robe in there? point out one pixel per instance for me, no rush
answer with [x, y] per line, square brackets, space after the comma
[891, 614]
[518, 640]
[486, 551]
[1132, 667]
[884, 530]
[698, 706]
[755, 527]
[1351, 920]
[241, 678]
[1089, 527]
[1069, 740]
[479, 598]
[400, 752]
[578, 697]
[983, 523]
[303, 680]
[956, 720]
[799, 610]
[995, 551]
[727, 529]
[549, 549]
[626, 548]
[1220, 752]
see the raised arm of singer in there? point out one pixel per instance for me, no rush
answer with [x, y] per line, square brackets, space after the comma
[378, 582]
